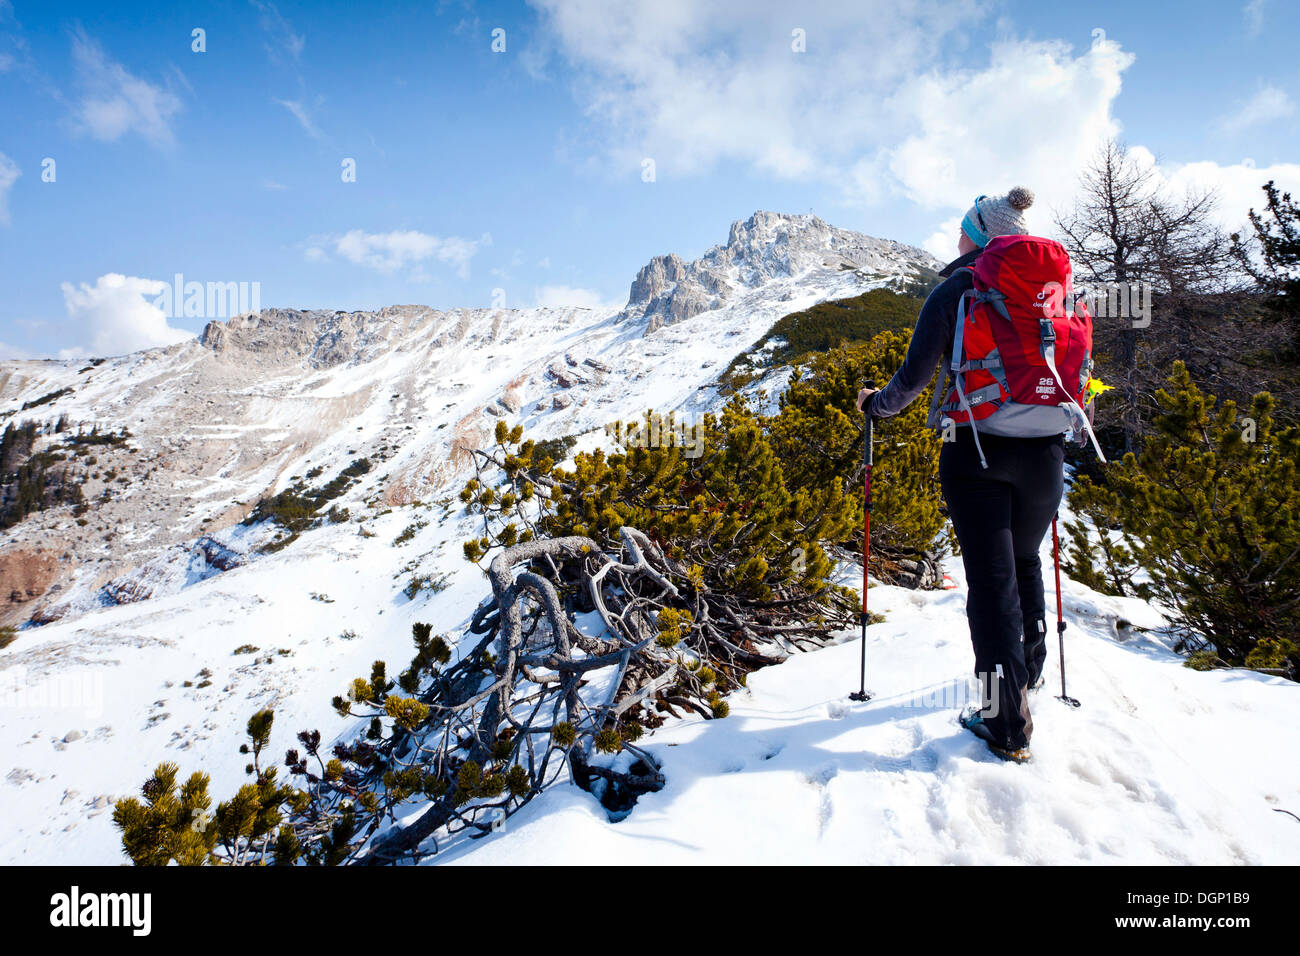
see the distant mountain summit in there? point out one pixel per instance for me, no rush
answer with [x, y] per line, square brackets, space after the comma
[764, 247]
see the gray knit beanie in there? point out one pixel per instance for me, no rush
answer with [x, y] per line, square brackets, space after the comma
[997, 216]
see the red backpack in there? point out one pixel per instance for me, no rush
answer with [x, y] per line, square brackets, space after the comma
[1022, 348]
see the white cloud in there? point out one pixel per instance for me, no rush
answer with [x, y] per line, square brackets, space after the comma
[400, 249]
[284, 46]
[1269, 104]
[942, 243]
[113, 317]
[280, 31]
[115, 102]
[301, 114]
[691, 83]
[1033, 117]
[870, 107]
[1239, 187]
[8, 351]
[874, 110]
[9, 173]
[558, 296]
[1254, 15]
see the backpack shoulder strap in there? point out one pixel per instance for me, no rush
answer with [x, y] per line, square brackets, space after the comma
[932, 418]
[959, 330]
[952, 359]
[955, 365]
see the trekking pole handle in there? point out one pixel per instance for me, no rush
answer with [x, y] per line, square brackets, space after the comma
[868, 456]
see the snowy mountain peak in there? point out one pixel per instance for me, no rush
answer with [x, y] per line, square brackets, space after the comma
[766, 246]
[769, 228]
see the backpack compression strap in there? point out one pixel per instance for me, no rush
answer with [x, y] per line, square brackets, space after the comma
[1047, 332]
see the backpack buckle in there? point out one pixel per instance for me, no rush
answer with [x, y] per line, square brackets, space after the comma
[1047, 332]
[996, 300]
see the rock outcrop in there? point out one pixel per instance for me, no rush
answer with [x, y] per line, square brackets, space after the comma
[759, 249]
[25, 575]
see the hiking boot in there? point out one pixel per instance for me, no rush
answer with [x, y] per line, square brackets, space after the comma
[973, 722]
[1022, 755]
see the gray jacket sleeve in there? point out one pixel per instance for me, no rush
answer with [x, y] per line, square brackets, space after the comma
[931, 341]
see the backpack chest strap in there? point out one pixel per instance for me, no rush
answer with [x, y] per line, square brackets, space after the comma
[991, 363]
[989, 393]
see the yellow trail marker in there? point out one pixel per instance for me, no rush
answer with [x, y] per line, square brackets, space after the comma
[1096, 387]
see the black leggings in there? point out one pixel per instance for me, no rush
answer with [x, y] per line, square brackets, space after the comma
[1000, 515]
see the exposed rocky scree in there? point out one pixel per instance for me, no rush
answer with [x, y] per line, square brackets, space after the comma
[24, 576]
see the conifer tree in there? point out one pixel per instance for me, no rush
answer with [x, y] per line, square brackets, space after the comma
[1209, 509]
[818, 436]
[171, 824]
[729, 513]
[1272, 256]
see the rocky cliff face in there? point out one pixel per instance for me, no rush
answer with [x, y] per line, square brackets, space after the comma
[24, 576]
[318, 338]
[764, 247]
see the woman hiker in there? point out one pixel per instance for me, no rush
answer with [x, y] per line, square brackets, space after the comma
[1001, 497]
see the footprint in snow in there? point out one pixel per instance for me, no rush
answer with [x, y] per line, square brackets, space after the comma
[923, 760]
[888, 764]
[824, 776]
[821, 780]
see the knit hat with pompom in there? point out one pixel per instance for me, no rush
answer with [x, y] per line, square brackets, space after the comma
[998, 216]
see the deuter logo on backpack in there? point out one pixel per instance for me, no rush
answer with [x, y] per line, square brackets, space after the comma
[1021, 357]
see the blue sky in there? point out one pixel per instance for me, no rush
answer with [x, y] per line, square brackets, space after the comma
[523, 171]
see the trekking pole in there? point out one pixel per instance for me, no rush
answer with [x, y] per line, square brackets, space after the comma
[1060, 614]
[867, 460]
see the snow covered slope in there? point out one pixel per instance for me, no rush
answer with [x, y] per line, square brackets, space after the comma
[1160, 764]
[166, 629]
